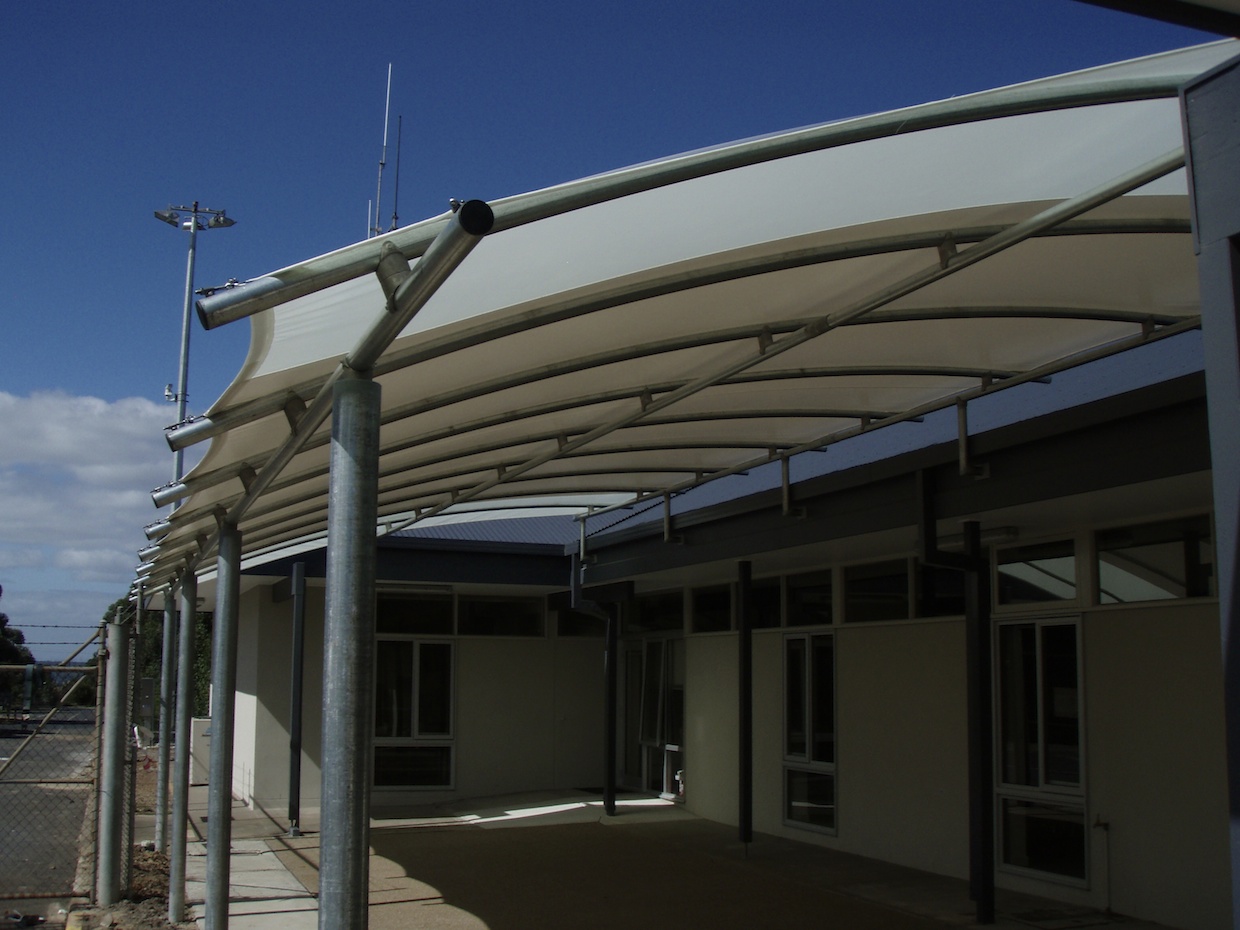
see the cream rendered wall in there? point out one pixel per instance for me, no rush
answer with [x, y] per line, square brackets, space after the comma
[246, 707]
[711, 739]
[902, 737]
[579, 692]
[264, 682]
[1155, 763]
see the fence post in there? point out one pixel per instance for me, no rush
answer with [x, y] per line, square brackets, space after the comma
[112, 765]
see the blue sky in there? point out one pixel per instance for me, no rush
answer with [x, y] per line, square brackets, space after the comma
[274, 111]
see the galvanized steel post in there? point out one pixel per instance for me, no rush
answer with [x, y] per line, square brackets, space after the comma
[112, 766]
[348, 666]
[180, 772]
[166, 699]
[223, 703]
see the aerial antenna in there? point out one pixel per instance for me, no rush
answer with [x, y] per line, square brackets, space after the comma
[387, 108]
[396, 189]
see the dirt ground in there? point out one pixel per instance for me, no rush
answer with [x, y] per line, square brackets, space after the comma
[146, 905]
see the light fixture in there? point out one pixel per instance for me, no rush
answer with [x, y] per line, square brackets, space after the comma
[169, 216]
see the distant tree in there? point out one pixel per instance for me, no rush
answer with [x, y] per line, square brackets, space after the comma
[13, 649]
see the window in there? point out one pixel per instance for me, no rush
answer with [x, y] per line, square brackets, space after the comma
[418, 614]
[712, 609]
[764, 604]
[1155, 561]
[878, 591]
[809, 599]
[499, 616]
[1041, 793]
[809, 731]
[656, 612]
[413, 714]
[1036, 574]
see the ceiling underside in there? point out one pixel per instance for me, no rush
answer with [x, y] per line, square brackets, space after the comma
[641, 332]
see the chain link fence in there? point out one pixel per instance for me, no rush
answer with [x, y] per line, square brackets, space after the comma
[50, 719]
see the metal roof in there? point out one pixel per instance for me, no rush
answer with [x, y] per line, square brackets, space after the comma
[641, 332]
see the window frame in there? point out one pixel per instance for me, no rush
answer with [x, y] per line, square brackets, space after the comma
[805, 762]
[418, 739]
[1074, 797]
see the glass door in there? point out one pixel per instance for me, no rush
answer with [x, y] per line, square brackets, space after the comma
[658, 717]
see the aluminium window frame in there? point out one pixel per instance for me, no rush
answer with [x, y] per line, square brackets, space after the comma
[416, 740]
[805, 762]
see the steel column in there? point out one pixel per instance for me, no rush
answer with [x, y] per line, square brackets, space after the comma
[166, 700]
[295, 699]
[611, 676]
[112, 764]
[981, 748]
[223, 704]
[744, 716]
[348, 667]
[180, 769]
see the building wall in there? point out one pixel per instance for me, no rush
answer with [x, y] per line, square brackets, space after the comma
[528, 711]
[1154, 731]
[711, 738]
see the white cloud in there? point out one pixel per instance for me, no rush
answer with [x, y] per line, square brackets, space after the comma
[75, 481]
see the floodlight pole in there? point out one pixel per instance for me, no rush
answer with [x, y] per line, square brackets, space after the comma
[173, 217]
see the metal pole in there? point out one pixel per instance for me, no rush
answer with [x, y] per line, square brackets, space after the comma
[223, 703]
[166, 698]
[295, 699]
[180, 773]
[744, 717]
[178, 468]
[348, 667]
[112, 765]
[981, 749]
[610, 712]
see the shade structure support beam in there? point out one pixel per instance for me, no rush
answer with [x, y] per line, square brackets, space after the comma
[112, 764]
[744, 716]
[167, 695]
[180, 772]
[407, 291]
[348, 665]
[611, 643]
[223, 706]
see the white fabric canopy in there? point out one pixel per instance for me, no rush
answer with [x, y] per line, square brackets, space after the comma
[642, 331]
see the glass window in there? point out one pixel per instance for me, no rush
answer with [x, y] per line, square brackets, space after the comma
[809, 599]
[878, 591]
[654, 612]
[712, 609]
[1038, 705]
[809, 730]
[576, 623]
[810, 798]
[420, 614]
[394, 689]
[500, 616]
[764, 604]
[413, 708]
[1037, 574]
[413, 766]
[941, 592]
[1155, 561]
[1043, 837]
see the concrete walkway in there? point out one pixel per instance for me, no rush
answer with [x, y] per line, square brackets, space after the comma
[555, 862]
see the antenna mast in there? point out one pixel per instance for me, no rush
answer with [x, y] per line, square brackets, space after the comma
[387, 107]
[396, 190]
